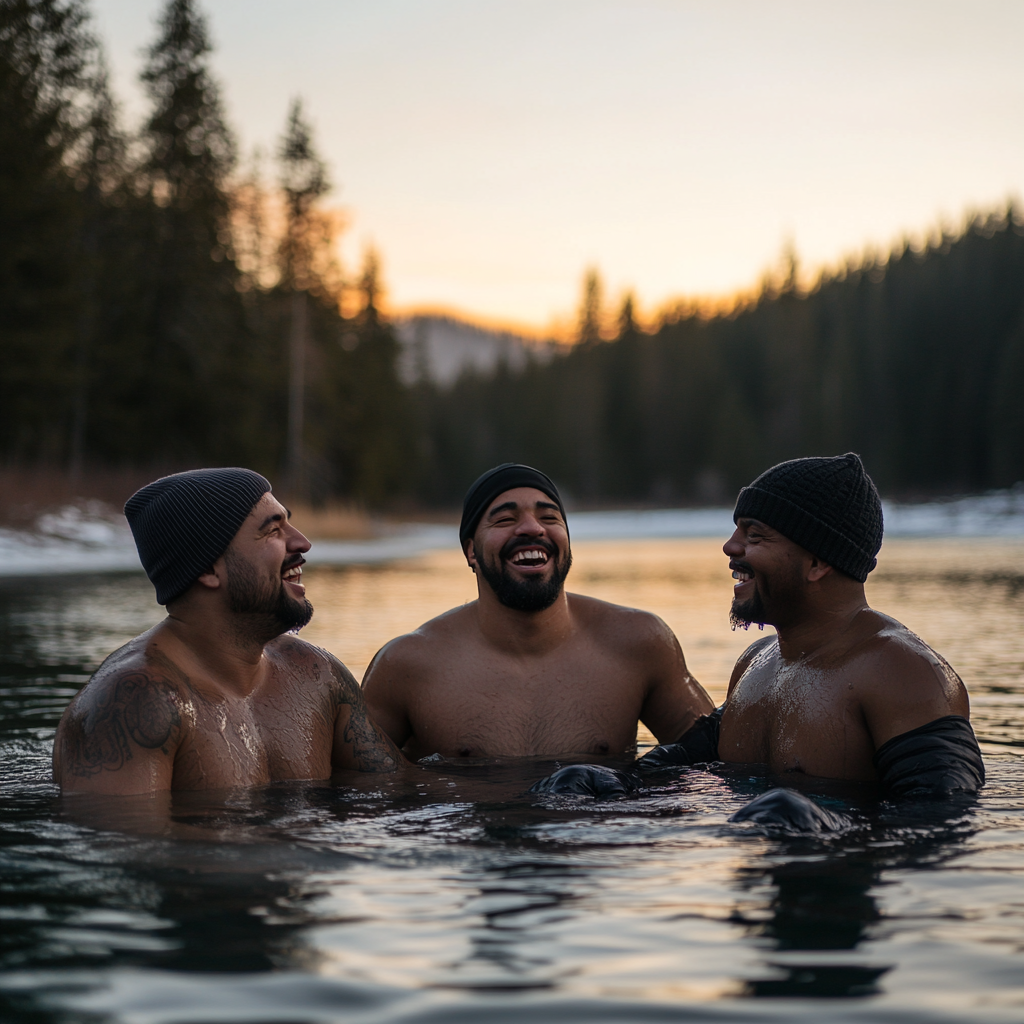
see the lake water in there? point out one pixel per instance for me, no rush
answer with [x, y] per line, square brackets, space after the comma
[452, 896]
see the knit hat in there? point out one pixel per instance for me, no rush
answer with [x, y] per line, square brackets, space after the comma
[496, 481]
[183, 523]
[828, 506]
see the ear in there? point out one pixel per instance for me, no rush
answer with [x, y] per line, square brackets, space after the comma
[211, 579]
[818, 570]
[470, 553]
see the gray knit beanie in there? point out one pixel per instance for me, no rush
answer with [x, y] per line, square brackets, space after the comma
[828, 506]
[183, 523]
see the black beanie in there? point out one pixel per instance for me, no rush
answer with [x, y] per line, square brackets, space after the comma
[496, 481]
[183, 523]
[828, 506]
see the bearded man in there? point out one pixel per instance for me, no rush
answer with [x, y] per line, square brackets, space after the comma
[216, 695]
[839, 691]
[527, 668]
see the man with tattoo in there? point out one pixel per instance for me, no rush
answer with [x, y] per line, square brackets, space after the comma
[527, 668]
[217, 695]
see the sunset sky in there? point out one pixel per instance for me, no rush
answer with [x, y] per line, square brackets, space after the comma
[494, 150]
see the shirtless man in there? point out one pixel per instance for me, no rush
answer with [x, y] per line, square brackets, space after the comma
[841, 691]
[526, 668]
[215, 696]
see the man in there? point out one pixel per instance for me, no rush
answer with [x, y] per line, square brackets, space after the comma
[526, 668]
[841, 691]
[216, 696]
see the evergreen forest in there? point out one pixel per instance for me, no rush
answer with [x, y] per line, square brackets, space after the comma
[162, 306]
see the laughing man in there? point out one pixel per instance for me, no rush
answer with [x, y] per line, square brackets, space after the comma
[216, 695]
[527, 668]
[839, 691]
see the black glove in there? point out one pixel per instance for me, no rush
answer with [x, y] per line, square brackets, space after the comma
[790, 810]
[932, 761]
[698, 745]
[587, 780]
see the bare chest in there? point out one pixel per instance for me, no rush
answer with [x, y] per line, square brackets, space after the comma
[797, 718]
[491, 708]
[272, 737]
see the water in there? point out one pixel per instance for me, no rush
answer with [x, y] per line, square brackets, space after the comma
[453, 897]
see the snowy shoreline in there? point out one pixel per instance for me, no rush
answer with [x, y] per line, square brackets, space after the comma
[79, 540]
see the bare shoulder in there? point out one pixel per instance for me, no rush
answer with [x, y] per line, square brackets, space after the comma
[417, 654]
[307, 659]
[891, 652]
[761, 648]
[629, 630]
[135, 701]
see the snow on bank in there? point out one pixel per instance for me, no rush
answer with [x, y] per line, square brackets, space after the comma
[84, 540]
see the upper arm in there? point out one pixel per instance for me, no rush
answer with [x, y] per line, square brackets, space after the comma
[385, 693]
[906, 686]
[120, 735]
[675, 700]
[358, 742]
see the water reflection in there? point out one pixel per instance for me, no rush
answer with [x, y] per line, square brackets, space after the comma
[825, 899]
[452, 893]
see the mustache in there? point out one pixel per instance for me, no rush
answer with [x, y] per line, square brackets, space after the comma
[291, 562]
[519, 543]
[736, 566]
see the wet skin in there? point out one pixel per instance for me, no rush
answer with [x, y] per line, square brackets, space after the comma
[215, 698]
[487, 680]
[839, 679]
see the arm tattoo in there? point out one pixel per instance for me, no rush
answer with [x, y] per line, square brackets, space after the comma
[372, 749]
[136, 709]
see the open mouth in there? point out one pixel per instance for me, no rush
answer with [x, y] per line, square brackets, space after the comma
[529, 558]
[741, 575]
[293, 576]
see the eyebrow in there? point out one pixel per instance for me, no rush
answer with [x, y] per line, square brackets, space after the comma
[746, 522]
[511, 506]
[275, 518]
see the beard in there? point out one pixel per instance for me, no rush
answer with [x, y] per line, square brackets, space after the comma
[744, 614]
[534, 593]
[263, 601]
[773, 597]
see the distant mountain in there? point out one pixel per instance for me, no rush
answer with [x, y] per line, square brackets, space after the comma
[440, 348]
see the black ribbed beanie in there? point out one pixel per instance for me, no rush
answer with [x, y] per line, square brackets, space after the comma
[183, 523]
[486, 487]
[828, 506]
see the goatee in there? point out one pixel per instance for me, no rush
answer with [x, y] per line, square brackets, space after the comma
[534, 593]
[744, 614]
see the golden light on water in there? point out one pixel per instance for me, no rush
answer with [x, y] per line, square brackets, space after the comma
[687, 583]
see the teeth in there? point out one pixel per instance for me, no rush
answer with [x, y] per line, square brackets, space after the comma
[532, 554]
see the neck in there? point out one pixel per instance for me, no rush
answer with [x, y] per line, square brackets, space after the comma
[525, 633]
[819, 624]
[225, 649]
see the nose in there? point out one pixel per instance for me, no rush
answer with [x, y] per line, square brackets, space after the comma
[297, 541]
[529, 525]
[734, 545]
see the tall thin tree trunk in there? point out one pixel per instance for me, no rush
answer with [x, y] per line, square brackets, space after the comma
[296, 395]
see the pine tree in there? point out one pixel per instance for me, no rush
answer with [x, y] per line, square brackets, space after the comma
[304, 181]
[192, 342]
[47, 60]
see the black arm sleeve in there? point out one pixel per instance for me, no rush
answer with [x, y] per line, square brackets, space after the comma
[932, 761]
[699, 744]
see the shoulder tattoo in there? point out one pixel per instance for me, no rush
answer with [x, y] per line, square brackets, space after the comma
[372, 749]
[136, 709]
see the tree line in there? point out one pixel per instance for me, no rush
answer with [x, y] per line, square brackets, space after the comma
[160, 307]
[914, 359]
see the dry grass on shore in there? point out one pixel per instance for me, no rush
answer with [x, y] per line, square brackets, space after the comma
[26, 493]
